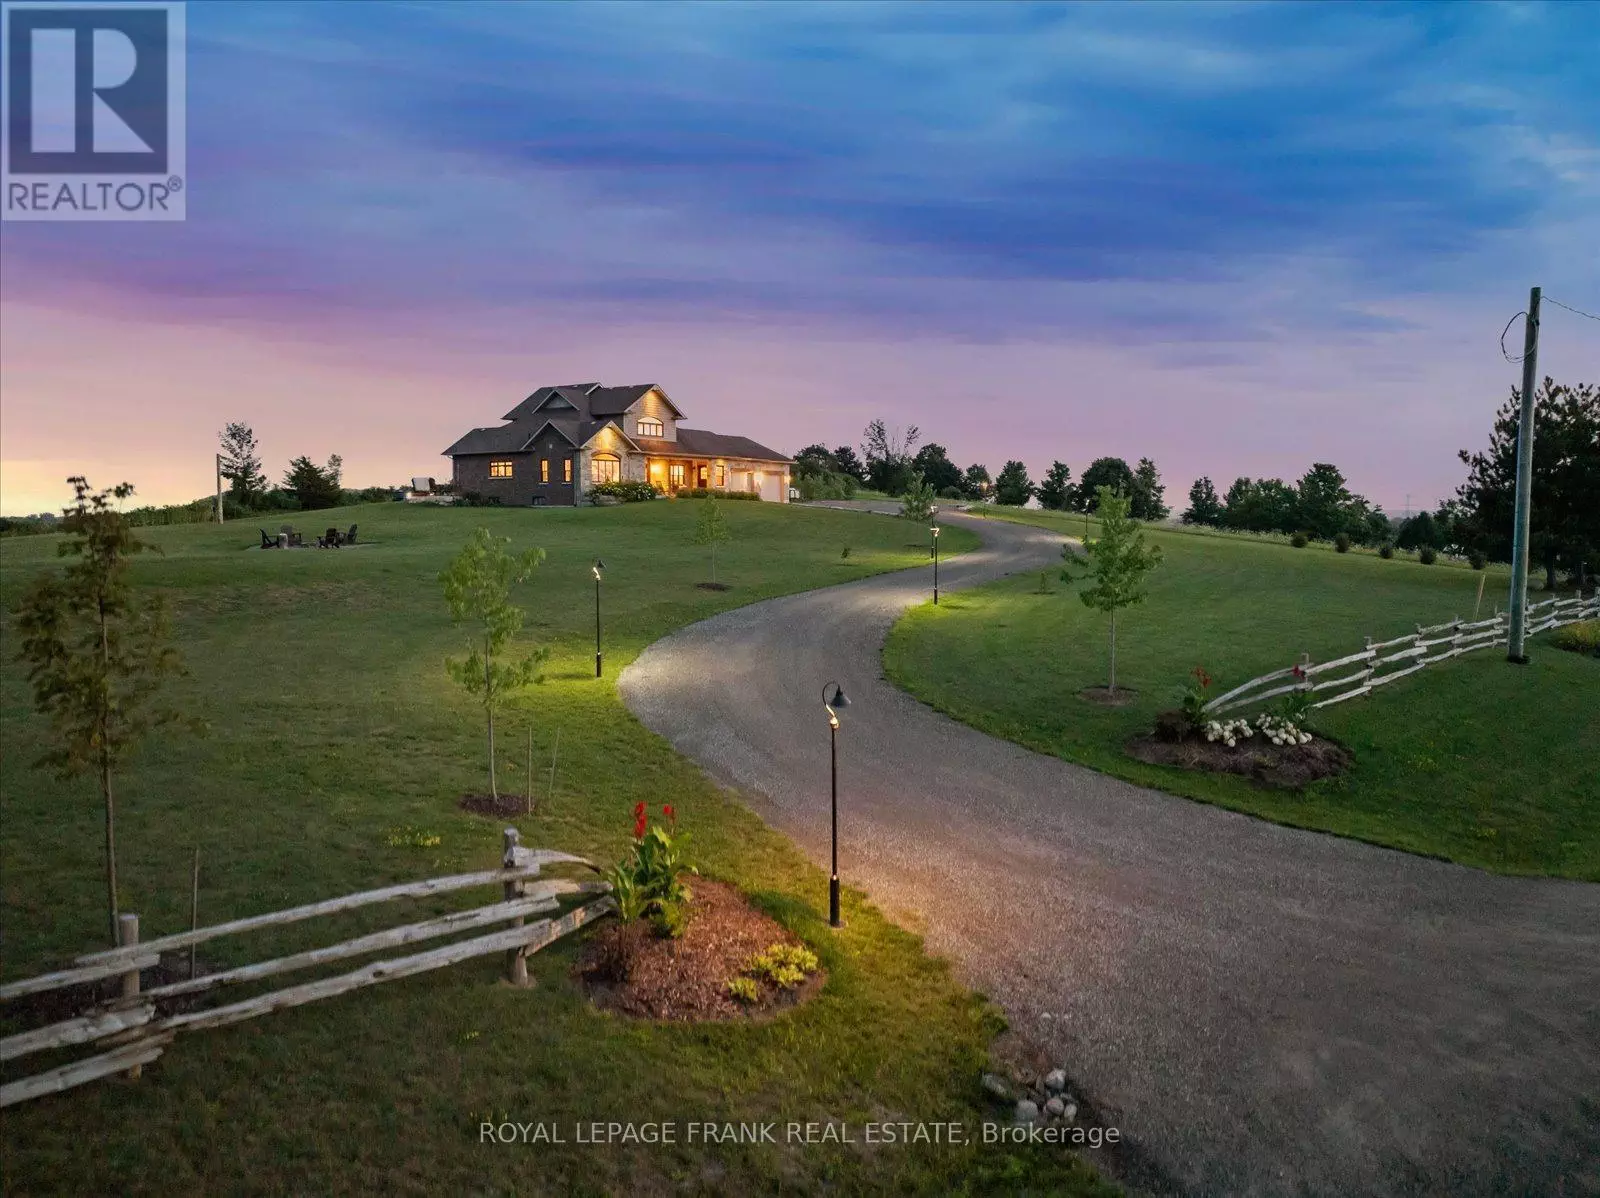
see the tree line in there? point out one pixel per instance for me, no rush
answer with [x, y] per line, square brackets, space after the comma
[305, 486]
[1564, 519]
[1476, 522]
[890, 462]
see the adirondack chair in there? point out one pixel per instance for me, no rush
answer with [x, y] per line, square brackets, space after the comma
[329, 539]
[350, 537]
[268, 542]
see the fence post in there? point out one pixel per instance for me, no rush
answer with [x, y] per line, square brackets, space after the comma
[516, 962]
[127, 936]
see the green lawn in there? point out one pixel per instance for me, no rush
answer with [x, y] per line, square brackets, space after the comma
[1473, 760]
[333, 725]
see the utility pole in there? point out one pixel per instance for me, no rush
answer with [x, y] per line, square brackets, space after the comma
[1519, 528]
[219, 488]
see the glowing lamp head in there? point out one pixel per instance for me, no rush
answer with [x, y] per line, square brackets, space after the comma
[834, 701]
[598, 567]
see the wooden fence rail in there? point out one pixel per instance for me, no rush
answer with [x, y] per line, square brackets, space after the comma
[135, 1031]
[1405, 654]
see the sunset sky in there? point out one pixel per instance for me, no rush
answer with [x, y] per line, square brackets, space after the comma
[1234, 238]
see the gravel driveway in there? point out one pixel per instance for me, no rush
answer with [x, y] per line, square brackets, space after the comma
[1260, 1010]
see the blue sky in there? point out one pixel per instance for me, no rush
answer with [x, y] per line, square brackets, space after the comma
[1235, 237]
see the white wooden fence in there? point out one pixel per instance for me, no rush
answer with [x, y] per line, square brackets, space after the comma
[136, 1032]
[1381, 662]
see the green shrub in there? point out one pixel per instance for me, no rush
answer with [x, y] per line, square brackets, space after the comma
[744, 989]
[784, 965]
[1582, 637]
[1476, 559]
[1299, 540]
[629, 490]
[475, 499]
[826, 485]
[1386, 550]
[713, 493]
[1427, 555]
[1342, 542]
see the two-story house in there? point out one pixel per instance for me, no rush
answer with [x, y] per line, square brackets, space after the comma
[561, 440]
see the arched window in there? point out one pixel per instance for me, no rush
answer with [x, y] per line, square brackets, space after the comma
[649, 427]
[605, 468]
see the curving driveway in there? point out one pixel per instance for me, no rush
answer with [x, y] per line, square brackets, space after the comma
[1261, 1010]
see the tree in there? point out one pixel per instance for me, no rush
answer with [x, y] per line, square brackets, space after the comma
[1204, 506]
[846, 462]
[477, 586]
[96, 654]
[1564, 515]
[975, 484]
[1323, 503]
[310, 484]
[814, 460]
[1056, 491]
[937, 470]
[1103, 472]
[1269, 505]
[918, 501]
[888, 456]
[334, 472]
[1421, 531]
[1013, 488]
[712, 529]
[241, 464]
[1147, 494]
[1119, 563]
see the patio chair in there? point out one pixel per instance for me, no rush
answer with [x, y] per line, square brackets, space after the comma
[329, 539]
[350, 537]
[268, 542]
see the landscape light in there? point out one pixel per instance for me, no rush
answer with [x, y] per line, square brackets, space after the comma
[598, 567]
[934, 529]
[834, 703]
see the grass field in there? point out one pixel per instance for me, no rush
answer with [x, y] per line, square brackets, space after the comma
[335, 732]
[1477, 761]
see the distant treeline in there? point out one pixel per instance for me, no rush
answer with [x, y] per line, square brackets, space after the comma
[1476, 522]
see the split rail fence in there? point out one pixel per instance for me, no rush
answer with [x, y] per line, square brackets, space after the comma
[135, 1031]
[1382, 662]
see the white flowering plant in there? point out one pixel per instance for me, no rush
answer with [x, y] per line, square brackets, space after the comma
[1274, 728]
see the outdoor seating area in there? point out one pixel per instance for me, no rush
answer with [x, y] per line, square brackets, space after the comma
[288, 538]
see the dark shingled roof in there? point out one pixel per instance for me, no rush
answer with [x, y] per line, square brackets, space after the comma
[700, 443]
[594, 407]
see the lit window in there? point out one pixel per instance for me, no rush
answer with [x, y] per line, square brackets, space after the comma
[648, 427]
[566, 470]
[500, 469]
[675, 474]
[544, 470]
[701, 473]
[722, 475]
[605, 468]
[752, 481]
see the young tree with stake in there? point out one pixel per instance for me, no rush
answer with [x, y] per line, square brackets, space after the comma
[96, 654]
[477, 586]
[712, 529]
[1119, 561]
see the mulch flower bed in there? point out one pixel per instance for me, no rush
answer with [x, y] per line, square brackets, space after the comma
[686, 979]
[498, 807]
[1292, 767]
[714, 586]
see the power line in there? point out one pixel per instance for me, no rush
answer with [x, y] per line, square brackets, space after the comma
[1559, 304]
[1503, 333]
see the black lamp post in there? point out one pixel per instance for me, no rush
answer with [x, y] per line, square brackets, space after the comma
[598, 567]
[833, 703]
[934, 529]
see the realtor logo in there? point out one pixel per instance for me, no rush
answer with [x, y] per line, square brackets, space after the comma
[92, 111]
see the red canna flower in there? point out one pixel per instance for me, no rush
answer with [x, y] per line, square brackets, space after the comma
[639, 821]
[666, 810]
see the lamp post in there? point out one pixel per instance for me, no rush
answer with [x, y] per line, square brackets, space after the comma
[832, 704]
[934, 529]
[598, 567]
